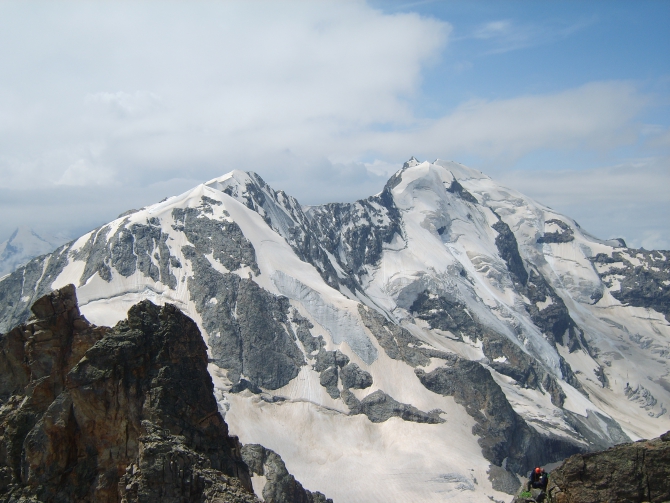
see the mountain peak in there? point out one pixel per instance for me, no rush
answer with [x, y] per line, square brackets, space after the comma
[413, 161]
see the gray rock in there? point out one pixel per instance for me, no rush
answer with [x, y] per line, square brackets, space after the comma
[508, 249]
[380, 407]
[280, 486]
[339, 240]
[398, 343]
[565, 235]
[303, 331]
[326, 359]
[242, 385]
[328, 380]
[457, 188]
[224, 240]
[132, 247]
[645, 285]
[503, 480]
[503, 434]
[246, 326]
[28, 283]
[453, 316]
[328, 364]
[554, 320]
[354, 377]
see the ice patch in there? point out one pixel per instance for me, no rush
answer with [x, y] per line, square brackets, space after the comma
[342, 325]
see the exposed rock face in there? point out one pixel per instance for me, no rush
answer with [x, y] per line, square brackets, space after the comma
[631, 473]
[27, 284]
[457, 188]
[108, 415]
[380, 407]
[131, 248]
[452, 316]
[564, 233]
[352, 234]
[552, 317]
[280, 485]
[247, 325]
[398, 342]
[509, 251]
[643, 277]
[505, 438]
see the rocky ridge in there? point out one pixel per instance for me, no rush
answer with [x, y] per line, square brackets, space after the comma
[634, 472]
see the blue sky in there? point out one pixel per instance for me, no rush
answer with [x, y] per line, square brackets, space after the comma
[107, 106]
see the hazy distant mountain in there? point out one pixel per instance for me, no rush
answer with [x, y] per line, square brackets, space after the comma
[24, 244]
[426, 343]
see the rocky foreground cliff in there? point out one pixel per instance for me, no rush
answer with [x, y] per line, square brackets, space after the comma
[636, 472]
[124, 414]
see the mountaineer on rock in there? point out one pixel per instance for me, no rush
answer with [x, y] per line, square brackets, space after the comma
[538, 479]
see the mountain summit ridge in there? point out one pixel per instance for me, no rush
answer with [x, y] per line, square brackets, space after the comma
[447, 316]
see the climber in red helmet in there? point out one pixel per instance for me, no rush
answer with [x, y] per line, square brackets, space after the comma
[538, 479]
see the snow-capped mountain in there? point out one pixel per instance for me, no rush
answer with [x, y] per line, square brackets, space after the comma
[427, 343]
[22, 245]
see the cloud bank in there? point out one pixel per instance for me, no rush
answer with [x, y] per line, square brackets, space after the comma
[108, 106]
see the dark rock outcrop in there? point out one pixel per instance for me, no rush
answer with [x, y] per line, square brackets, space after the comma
[632, 473]
[247, 325]
[355, 377]
[554, 320]
[460, 191]
[398, 342]
[564, 235]
[280, 485]
[132, 247]
[380, 407]
[451, 315]
[643, 277]
[508, 249]
[504, 436]
[112, 415]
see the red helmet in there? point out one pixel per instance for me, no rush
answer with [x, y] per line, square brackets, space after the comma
[538, 470]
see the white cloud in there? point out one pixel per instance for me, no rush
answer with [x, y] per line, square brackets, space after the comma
[167, 85]
[493, 29]
[506, 35]
[82, 173]
[123, 104]
[594, 116]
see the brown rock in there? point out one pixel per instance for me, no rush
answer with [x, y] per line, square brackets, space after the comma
[633, 473]
[112, 415]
